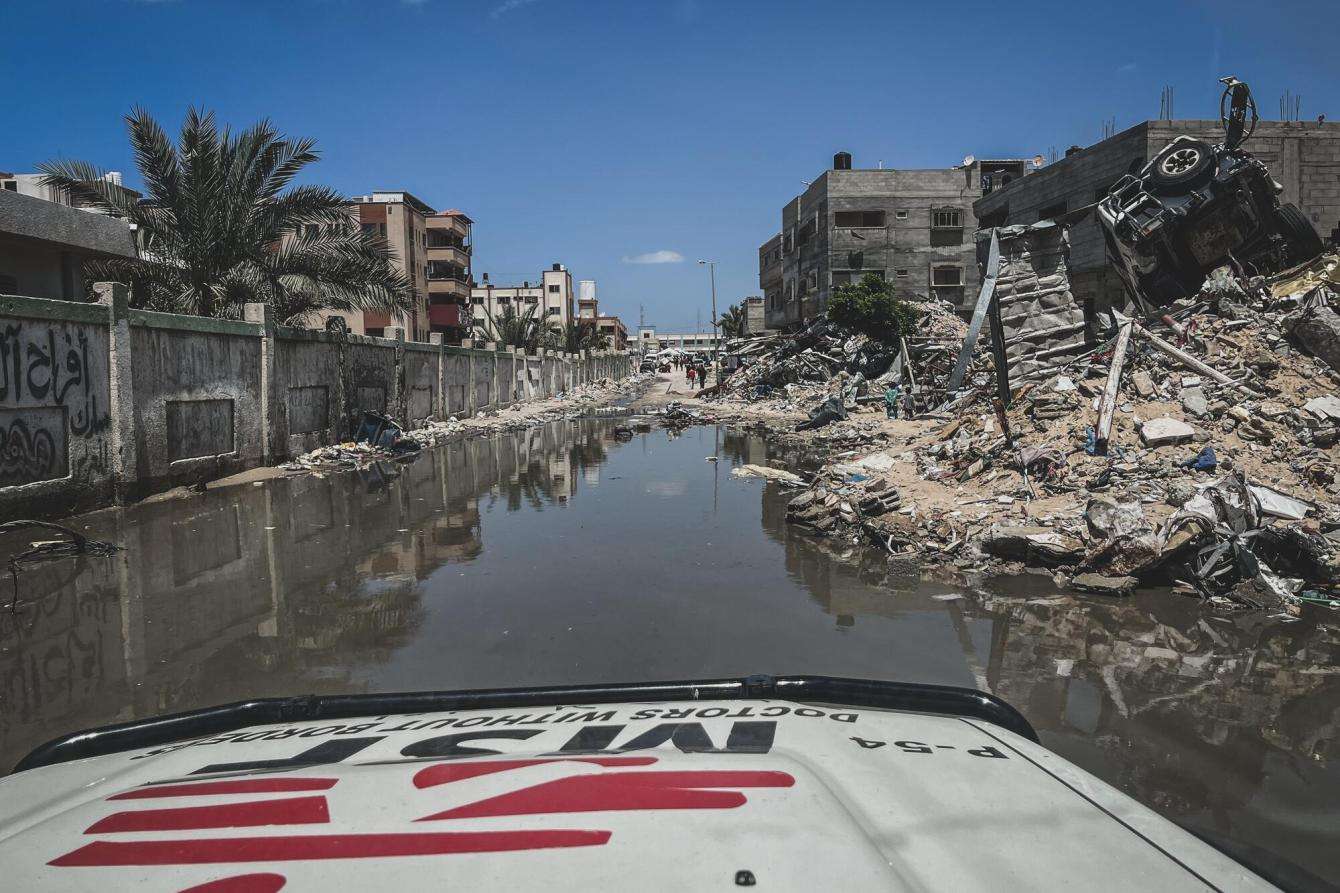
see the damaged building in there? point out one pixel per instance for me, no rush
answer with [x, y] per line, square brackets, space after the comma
[913, 228]
[1304, 157]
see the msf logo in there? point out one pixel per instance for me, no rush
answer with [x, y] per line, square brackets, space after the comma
[293, 807]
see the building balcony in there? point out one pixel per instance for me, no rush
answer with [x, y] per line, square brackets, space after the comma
[456, 254]
[453, 287]
[450, 315]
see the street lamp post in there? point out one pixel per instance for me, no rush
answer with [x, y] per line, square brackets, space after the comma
[716, 339]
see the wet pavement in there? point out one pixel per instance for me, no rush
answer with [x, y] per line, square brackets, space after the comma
[563, 555]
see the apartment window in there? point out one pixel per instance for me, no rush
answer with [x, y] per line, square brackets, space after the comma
[477, 301]
[553, 289]
[901, 274]
[950, 276]
[1051, 212]
[853, 219]
[899, 215]
[554, 311]
[12, 185]
[531, 299]
[806, 233]
[947, 218]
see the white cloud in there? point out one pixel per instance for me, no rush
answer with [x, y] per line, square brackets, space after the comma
[664, 256]
[507, 6]
[1127, 68]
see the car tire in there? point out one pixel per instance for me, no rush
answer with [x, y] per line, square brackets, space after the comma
[1298, 231]
[1182, 166]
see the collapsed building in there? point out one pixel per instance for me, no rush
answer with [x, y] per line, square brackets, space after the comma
[1184, 434]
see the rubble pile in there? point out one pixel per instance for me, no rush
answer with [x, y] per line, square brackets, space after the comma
[826, 363]
[1199, 451]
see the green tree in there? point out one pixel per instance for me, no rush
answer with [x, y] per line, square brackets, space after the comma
[576, 336]
[219, 226]
[871, 308]
[733, 322]
[522, 330]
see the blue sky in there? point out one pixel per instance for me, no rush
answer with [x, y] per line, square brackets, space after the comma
[594, 132]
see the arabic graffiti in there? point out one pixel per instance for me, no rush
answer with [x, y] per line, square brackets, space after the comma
[51, 367]
[32, 446]
[51, 394]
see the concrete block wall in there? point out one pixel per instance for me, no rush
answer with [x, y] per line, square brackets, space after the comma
[99, 402]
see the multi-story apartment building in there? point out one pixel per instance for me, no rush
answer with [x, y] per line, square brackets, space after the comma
[770, 280]
[615, 332]
[402, 220]
[448, 250]
[913, 228]
[551, 300]
[1303, 156]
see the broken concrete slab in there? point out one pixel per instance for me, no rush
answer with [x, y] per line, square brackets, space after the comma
[1033, 545]
[771, 474]
[1165, 431]
[1104, 585]
[1194, 402]
[1325, 408]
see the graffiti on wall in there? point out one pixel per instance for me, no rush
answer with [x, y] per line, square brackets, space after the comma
[50, 393]
[33, 446]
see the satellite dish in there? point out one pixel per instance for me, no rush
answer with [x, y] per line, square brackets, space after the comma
[1038, 161]
[968, 160]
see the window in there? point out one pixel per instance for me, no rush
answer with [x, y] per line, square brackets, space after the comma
[899, 215]
[947, 218]
[806, 233]
[553, 289]
[12, 185]
[554, 311]
[901, 274]
[1051, 212]
[532, 299]
[848, 219]
[947, 276]
[477, 300]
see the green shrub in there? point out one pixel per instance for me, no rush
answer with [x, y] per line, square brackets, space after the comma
[870, 307]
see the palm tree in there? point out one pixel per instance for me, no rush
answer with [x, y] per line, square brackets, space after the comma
[219, 227]
[577, 335]
[523, 330]
[733, 322]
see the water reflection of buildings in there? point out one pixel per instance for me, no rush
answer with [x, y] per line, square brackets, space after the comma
[279, 589]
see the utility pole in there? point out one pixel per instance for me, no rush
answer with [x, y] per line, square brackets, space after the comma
[716, 341]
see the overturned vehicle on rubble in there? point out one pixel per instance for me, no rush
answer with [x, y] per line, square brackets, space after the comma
[1195, 207]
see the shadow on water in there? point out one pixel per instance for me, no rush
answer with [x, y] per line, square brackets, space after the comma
[561, 554]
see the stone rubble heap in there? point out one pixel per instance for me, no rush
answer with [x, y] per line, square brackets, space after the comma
[1219, 473]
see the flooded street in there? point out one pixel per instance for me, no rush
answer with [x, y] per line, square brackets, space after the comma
[562, 555]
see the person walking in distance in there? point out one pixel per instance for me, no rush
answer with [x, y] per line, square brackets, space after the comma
[691, 374]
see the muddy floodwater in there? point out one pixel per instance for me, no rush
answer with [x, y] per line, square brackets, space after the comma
[563, 555]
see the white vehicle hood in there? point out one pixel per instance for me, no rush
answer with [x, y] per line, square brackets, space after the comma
[684, 795]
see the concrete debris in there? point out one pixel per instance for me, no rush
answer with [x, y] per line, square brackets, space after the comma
[1227, 384]
[1104, 585]
[771, 474]
[1165, 431]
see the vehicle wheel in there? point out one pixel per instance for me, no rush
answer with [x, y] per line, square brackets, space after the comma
[1181, 166]
[1304, 243]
